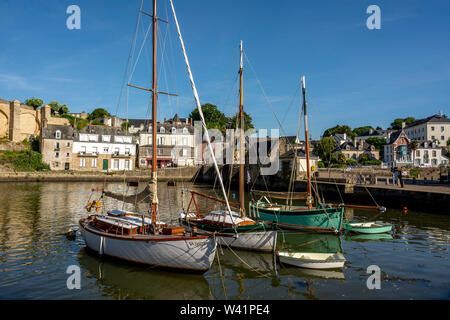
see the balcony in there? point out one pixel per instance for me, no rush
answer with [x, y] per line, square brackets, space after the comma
[88, 155]
[121, 155]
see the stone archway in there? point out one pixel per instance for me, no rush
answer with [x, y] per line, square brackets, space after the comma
[4, 125]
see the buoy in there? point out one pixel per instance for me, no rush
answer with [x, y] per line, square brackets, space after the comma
[71, 234]
[405, 210]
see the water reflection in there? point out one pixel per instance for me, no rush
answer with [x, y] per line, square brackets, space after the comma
[121, 280]
[34, 254]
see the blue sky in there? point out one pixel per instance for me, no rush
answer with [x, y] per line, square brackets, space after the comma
[355, 76]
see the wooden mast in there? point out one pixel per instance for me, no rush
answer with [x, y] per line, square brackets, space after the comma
[154, 116]
[308, 170]
[242, 143]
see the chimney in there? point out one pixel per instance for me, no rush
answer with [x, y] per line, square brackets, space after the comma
[190, 120]
[345, 136]
[164, 119]
[403, 125]
[187, 120]
[370, 131]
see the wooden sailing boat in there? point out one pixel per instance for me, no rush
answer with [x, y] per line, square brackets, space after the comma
[134, 238]
[234, 228]
[322, 218]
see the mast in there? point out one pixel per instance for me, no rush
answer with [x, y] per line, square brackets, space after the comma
[199, 107]
[308, 173]
[154, 118]
[242, 143]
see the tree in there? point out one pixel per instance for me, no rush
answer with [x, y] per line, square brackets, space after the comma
[59, 108]
[360, 130]
[339, 129]
[214, 118]
[98, 114]
[34, 102]
[325, 149]
[397, 124]
[377, 142]
[235, 120]
[413, 146]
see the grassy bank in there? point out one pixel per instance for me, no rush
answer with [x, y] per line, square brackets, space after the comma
[23, 160]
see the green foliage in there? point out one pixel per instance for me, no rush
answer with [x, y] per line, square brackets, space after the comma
[371, 163]
[325, 149]
[414, 172]
[36, 144]
[352, 162]
[235, 120]
[214, 118]
[81, 123]
[98, 114]
[57, 107]
[21, 160]
[339, 129]
[97, 123]
[397, 123]
[448, 142]
[364, 158]
[377, 142]
[320, 164]
[34, 102]
[413, 145]
[360, 130]
[125, 125]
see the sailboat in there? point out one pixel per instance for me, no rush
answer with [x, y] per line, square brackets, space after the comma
[321, 218]
[233, 228]
[128, 236]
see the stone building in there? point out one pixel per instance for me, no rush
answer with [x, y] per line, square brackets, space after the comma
[428, 154]
[396, 150]
[434, 128]
[19, 121]
[56, 146]
[356, 149]
[103, 148]
[175, 144]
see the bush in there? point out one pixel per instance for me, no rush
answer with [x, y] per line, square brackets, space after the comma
[371, 163]
[21, 160]
[414, 172]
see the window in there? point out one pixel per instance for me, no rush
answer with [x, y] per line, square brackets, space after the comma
[434, 153]
[58, 134]
[185, 131]
[116, 164]
[418, 153]
[174, 141]
[162, 130]
[94, 151]
[106, 149]
[442, 138]
[83, 137]
[127, 164]
[127, 151]
[432, 137]
[174, 130]
[56, 164]
[116, 151]
[127, 139]
[68, 144]
[432, 128]
[106, 138]
[185, 141]
[93, 137]
[83, 150]
[442, 129]
[82, 162]
[185, 152]
[68, 155]
[94, 163]
[118, 139]
[57, 155]
[57, 146]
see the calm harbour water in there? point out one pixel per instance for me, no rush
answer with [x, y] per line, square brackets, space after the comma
[34, 255]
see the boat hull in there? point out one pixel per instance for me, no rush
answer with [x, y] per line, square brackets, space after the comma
[175, 252]
[367, 230]
[310, 263]
[247, 238]
[300, 218]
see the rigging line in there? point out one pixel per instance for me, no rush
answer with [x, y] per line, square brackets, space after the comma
[130, 57]
[197, 100]
[140, 51]
[296, 94]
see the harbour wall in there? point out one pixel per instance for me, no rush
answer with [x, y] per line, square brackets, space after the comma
[433, 198]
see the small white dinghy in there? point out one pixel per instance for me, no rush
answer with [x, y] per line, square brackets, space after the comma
[312, 260]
